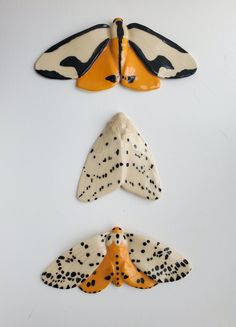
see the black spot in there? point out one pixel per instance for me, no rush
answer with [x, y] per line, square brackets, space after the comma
[108, 277]
[131, 79]
[93, 282]
[111, 78]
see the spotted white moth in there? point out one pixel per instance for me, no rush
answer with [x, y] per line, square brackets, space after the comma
[119, 158]
[119, 258]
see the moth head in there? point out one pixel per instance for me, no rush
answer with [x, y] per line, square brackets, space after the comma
[120, 124]
[117, 230]
[118, 30]
[117, 20]
[117, 236]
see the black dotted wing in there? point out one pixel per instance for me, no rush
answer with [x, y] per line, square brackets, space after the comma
[119, 157]
[102, 172]
[157, 260]
[75, 265]
[141, 175]
[160, 55]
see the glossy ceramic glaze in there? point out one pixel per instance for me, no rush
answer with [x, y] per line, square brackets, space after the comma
[120, 157]
[103, 56]
[116, 257]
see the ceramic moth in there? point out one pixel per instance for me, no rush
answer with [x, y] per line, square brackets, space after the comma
[102, 56]
[119, 158]
[116, 257]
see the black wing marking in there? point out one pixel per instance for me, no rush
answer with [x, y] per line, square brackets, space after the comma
[160, 55]
[73, 56]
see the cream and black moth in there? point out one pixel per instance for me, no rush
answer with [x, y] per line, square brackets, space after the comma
[102, 56]
[119, 158]
[116, 257]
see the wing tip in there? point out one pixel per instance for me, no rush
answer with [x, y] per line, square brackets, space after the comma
[184, 73]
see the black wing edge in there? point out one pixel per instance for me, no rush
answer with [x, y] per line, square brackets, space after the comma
[68, 39]
[160, 61]
[71, 61]
[163, 38]
[51, 74]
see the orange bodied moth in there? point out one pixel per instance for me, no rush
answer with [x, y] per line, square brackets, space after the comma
[102, 56]
[116, 257]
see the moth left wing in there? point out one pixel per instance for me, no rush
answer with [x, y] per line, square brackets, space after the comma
[102, 172]
[160, 55]
[157, 260]
[73, 57]
[75, 265]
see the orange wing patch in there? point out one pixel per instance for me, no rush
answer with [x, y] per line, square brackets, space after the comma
[136, 76]
[100, 278]
[102, 74]
[136, 278]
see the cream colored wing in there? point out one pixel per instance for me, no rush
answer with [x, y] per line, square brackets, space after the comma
[75, 265]
[157, 260]
[160, 55]
[72, 57]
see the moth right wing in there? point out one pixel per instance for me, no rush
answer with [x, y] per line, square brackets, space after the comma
[141, 175]
[161, 56]
[73, 57]
[75, 265]
[157, 260]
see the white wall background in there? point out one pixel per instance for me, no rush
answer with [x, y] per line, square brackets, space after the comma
[46, 130]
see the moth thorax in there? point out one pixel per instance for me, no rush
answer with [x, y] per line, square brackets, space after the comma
[120, 124]
[118, 30]
[117, 238]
